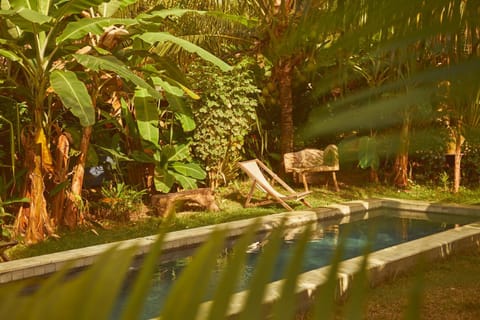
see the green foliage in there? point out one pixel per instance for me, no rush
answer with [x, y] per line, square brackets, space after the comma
[4, 215]
[147, 115]
[444, 179]
[391, 65]
[120, 201]
[174, 164]
[7, 178]
[172, 160]
[427, 164]
[367, 153]
[161, 37]
[471, 164]
[224, 116]
[427, 154]
[74, 95]
[82, 59]
[11, 167]
[72, 299]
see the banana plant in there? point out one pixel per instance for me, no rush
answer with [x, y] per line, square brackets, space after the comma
[60, 58]
[171, 162]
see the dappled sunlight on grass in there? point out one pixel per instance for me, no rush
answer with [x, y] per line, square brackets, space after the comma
[432, 194]
[450, 292]
[230, 200]
[88, 236]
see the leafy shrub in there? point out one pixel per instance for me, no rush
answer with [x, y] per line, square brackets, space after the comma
[120, 201]
[5, 216]
[427, 164]
[224, 116]
[471, 164]
[427, 155]
[430, 165]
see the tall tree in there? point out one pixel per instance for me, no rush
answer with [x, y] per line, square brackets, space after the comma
[406, 34]
[286, 41]
[281, 34]
[461, 94]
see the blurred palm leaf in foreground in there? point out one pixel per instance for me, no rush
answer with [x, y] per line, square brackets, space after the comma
[92, 294]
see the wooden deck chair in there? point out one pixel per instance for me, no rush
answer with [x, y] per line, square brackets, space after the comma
[255, 169]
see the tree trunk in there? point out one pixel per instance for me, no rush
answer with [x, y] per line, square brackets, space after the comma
[283, 74]
[401, 160]
[33, 221]
[374, 175]
[457, 166]
[61, 176]
[74, 213]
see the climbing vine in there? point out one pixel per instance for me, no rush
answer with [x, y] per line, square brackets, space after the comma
[224, 115]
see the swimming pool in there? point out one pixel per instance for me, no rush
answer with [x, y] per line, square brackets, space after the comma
[385, 227]
[382, 264]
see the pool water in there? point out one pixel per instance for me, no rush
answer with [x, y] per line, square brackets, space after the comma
[385, 228]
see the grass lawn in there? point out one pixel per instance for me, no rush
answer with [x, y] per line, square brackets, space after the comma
[451, 291]
[446, 290]
[230, 201]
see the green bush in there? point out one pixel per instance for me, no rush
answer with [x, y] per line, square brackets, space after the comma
[471, 165]
[120, 201]
[224, 116]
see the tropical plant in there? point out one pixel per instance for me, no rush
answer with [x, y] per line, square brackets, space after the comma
[471, 163]
[5, 216]
[413, 39]
[224, 115]
[120, 201]
[428, 155]
[220, 27]
[277, 33]
[394, 51]
[368, 156]
[7, 179]
[289, 34]
[61, 59]
[461, 101]
[7, 161]
[444, 179]
[36, 39]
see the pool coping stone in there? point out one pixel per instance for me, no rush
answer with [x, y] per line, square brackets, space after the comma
[45, 264]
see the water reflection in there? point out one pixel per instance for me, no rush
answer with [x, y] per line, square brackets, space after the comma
[384, 230]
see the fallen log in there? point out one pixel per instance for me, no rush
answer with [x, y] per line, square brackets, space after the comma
[166, 204]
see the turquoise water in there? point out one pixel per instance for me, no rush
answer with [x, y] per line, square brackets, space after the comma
[388, 228]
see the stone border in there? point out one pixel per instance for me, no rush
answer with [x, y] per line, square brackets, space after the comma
[77, 258]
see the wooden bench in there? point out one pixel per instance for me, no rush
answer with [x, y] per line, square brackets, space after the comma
[165, 204]
[307, 161]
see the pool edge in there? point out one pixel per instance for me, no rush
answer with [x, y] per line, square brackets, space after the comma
[46, 264]
[382, 264]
